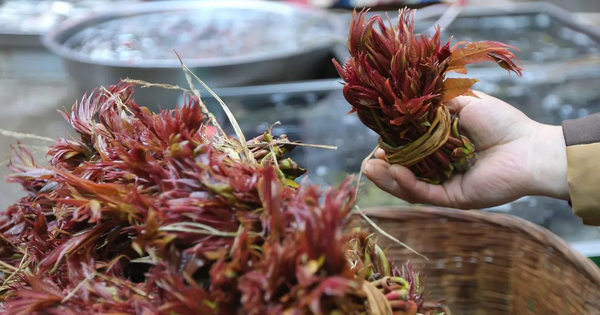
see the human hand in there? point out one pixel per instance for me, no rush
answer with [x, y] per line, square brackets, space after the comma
[516, 157]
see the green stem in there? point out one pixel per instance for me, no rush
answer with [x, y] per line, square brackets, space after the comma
[381, 132]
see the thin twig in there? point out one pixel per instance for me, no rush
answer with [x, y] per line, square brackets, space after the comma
[195, 91]
[20, 135]
[236, 240]
[230, 116]
[145, 84]
[369, 221]
[117, 99]
[363, 164]
[8, 266]
[389, 236]
[300, 144]
[79, 286]
[21, 267]
[197, 228]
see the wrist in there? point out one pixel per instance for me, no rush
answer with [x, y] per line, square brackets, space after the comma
[548, 162]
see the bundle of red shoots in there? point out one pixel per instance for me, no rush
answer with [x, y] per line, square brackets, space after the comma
[396, 82]
[146, 214]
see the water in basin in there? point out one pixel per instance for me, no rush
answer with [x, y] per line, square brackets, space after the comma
[208, 33]
[539, 37]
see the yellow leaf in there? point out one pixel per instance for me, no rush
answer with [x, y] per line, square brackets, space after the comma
[312, 267]
[291, 183]
[457, 68]
[454, 87]
[70, 154]
[212, 255]
[95, 206]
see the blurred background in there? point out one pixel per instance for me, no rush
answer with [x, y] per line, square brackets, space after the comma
[271, 61]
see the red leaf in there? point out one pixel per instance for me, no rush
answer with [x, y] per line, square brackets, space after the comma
[270, 192]
[478, 52]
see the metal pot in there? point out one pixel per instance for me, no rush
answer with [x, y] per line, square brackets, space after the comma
[277, 65]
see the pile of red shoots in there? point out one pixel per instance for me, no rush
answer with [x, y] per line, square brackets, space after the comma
[146, 214]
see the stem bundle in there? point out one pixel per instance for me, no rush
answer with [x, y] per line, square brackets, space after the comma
[396, 83]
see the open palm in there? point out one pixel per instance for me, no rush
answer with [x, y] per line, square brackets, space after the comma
[508, 165]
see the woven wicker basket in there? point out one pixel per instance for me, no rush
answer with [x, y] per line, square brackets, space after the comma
[492, 264]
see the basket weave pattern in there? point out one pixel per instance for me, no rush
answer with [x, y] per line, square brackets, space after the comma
[492, 264]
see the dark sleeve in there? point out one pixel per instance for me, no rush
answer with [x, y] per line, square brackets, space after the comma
[582, 137]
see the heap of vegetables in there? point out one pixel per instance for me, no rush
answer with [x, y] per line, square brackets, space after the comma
[396, 83]
[147, 214]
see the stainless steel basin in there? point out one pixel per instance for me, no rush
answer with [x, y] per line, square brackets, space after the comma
[546, 35]
[274, 66]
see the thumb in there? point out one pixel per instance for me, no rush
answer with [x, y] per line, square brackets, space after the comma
[458, 103]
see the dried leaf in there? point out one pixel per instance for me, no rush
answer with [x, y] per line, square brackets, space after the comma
[454, 87]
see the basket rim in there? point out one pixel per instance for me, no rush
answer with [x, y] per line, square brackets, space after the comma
[534, 231]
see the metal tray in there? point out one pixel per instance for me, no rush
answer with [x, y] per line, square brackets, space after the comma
[16, 38]
[545, 33]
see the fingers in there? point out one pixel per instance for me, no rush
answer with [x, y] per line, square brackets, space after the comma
[402, 183]
[419, 191]
[460, 102]
[378, 171]
[380, 154]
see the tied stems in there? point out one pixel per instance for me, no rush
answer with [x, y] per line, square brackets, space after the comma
[437, 152]
[383, 134]
[414, 152]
